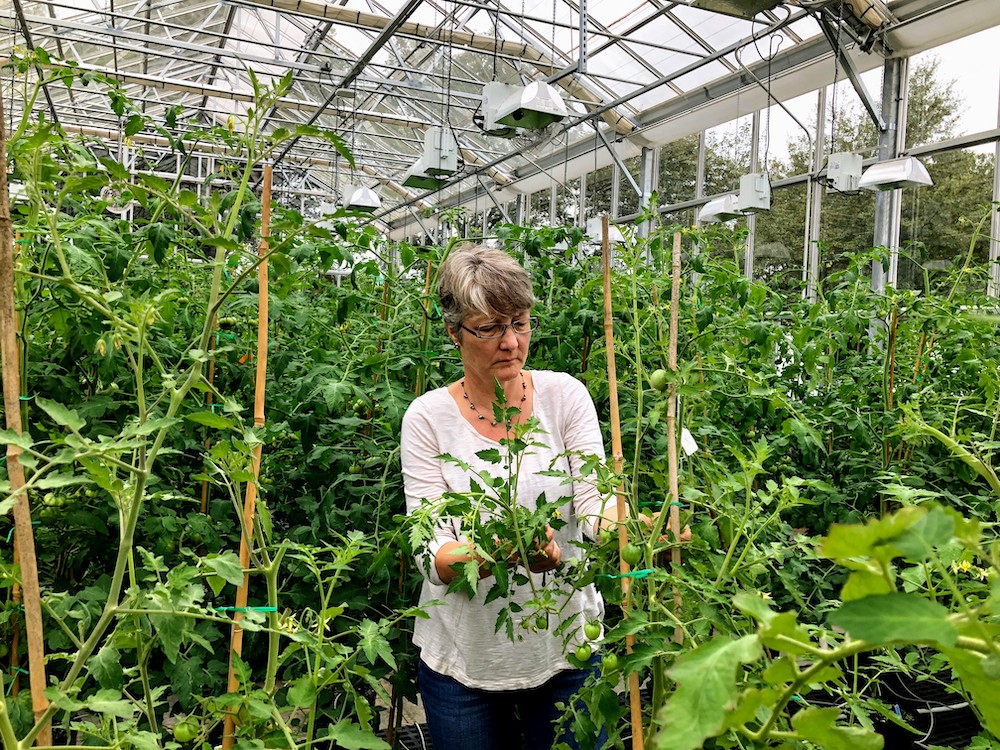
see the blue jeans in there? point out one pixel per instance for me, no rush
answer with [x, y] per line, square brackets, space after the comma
[464, 718]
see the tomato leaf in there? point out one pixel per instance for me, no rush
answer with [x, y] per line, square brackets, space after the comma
[888, 618]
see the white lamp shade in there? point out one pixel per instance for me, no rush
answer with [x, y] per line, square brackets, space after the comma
[907, 171]
[722, 208]
[595, 232]
[534, 106]
[364, 199]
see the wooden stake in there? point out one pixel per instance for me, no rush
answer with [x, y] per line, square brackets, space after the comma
[209, 399]
[23, 533]
[250, 501]
[618, 459]
[419, 387]
[674, 521]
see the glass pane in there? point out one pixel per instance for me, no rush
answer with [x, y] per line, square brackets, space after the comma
[628, 199]
[780, 235]
[678, 171]
[598, 192]
[538, 214]
[953, 89]
[568, 203]
[847, 225]
[727, 156]
[941, 223]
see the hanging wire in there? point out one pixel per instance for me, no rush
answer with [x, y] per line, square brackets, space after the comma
[496, 41]
[836, 74]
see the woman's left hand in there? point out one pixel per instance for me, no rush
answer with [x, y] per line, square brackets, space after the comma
[547, 556]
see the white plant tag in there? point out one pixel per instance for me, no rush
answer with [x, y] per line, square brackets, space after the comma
[687, 441]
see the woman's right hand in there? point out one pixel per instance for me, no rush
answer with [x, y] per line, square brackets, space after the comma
[453, 554]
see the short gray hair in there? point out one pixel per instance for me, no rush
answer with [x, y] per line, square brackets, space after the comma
[474, 278]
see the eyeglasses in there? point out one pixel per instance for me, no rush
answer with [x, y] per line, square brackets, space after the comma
[497, 330]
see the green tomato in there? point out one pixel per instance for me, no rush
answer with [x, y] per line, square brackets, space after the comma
[631, 553]
[186, 730]
[541, 622]
[583, 652]
[354, 469]
[658, 379]
[592, 630]
[609, 662]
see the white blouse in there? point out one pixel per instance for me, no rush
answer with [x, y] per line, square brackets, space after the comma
[459, 639]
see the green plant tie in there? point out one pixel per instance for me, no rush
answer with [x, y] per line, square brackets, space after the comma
[26, 398]
[633, 574]
[17, 670]
[10, 534]
[245, 609]
[678, 504]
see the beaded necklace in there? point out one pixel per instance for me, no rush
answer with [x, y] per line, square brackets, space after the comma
[493, 422]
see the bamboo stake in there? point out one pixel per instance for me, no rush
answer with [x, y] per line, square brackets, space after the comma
[419, 388]
[209, 400]
[618, 459]
[674, 522]
[15, 589]
[249, 503]
[23, 533]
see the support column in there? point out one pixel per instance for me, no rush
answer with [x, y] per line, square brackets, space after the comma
[814, 203]
[993, 288]
[649, 177]
[887, 203]
[522, 209]
[699, 180]
[616, 176]
[748, 251]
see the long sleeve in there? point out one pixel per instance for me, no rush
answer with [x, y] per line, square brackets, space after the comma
[423, 480]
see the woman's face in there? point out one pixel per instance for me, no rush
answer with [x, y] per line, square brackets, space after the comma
[501, 358]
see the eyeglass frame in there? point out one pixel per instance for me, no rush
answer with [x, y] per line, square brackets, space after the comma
[532, 323]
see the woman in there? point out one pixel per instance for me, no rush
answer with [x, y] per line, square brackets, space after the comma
[480, 688]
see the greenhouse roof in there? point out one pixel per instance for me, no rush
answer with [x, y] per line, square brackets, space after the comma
[380, 73]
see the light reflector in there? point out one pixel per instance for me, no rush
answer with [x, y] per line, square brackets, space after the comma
[364, 199]
[534, 107]
[723, 208]
[906, 171]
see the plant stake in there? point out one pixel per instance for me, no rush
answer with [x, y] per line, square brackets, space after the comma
[674, 522]
[249, 503]
[618, 459]
[24, 536]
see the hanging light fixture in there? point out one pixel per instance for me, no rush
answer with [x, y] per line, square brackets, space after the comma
[440, 160]
[595, 231]
[364, 199]
[746, 9]
[755, 193]
[723, 208]
[906, 171]
[534, 107]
